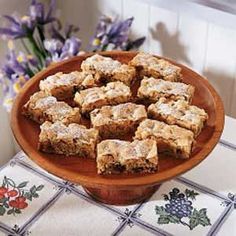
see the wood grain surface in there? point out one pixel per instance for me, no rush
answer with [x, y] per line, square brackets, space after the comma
[111, 188]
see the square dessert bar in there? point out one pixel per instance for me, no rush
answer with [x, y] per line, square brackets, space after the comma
[152, 89]
[170, 139]
[116, 156]
[121, 119]
[178, 113]
[111, 94]
[105, 68]
[42, 107]
[73, 139]
[63, 86]
[148, 65]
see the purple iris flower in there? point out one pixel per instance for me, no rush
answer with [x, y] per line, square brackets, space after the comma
[33, 61]
[119, 31]
[114, 34]
[23, 27]
[17, 28]
[7, 70]
[59, 51]
[56, 31]
[129, 44]
[72, 46]
[53, 45]
[11, 88]
[14, 64]
[19, 64]
[37, 12]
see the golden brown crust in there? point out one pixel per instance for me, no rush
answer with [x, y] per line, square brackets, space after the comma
[152, 89]
[117, 120]
[42, 107]
[148, 65]
[63, 86]
[170, 138]
[111, 94]
[116, 156]
[73, 139]
[178, 113]
[105, 68]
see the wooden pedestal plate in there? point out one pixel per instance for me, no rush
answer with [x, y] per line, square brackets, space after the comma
[125, 188]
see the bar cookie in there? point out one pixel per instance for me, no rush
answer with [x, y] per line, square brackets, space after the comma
[116, 156]
[178, 113]
[73, 139]
[111, 94]
[117, 120]
[171, 139]
[63, 86]
[42, 107]
[107, 69]
[152, 89]
[150, 66]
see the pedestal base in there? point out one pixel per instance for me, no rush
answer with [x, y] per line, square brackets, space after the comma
[121, 196]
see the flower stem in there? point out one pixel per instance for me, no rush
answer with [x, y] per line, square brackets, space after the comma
[104, 47]
[30, 72]
[42, 38]
[25, 46]
[36, 50]
[41, 33]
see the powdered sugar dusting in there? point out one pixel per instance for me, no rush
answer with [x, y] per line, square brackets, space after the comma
[103, 64]
[45, 103]
[58, 79]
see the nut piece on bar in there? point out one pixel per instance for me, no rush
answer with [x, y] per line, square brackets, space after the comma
[116, 156]
[111, 94]
[105, 68]
[148, 65]
[42, 107]
[73, 139]
[178, 113]
[170, 139]
[112, 121]
[152, 89]
[63, 86]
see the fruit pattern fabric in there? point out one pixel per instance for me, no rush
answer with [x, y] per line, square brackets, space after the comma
[179, 210]
[16, 197]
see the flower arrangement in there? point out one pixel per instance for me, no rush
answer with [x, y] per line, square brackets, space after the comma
[45, 41]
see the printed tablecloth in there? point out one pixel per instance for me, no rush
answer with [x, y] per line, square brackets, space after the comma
[200, 202]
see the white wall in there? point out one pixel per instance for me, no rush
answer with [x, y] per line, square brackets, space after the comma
[188, 35]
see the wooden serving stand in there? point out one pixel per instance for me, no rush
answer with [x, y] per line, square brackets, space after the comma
[125, 188]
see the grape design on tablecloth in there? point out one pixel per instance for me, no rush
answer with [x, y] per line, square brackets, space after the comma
[179, 210]
[16, 197]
